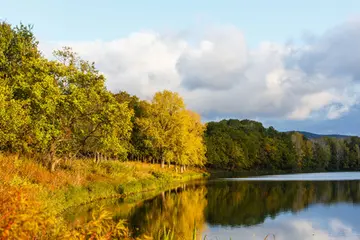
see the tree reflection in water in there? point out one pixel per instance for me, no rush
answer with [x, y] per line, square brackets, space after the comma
[235, 204]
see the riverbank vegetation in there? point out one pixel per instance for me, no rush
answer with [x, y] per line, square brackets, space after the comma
[32, 198]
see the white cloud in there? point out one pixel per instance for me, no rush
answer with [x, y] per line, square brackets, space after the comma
[220, 76]
[294, 229]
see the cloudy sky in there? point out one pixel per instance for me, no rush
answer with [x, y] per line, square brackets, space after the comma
[291, 64]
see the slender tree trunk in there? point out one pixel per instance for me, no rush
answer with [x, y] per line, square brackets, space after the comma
[52, 167]
[162, 161]
[163, 200]
[54, 163]
[97, 157]
[51, 158]
[181, 168]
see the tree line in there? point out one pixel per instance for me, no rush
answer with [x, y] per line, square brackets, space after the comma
[61, 109]
[248, 145]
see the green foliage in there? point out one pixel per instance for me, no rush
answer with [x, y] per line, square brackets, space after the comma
[131, 187]
[54, 109]
[234, 144]
[247, 145]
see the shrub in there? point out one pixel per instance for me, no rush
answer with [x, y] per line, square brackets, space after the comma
[100, 189]
[130, 187]
[21, 217]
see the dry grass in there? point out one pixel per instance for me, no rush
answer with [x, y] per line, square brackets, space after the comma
[82, 181]
[22, 217]
[31, 196]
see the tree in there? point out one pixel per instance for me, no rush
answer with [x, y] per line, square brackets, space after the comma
[176, 134]
[139, 146]
[92, 120]
[18, 57]
[162, 122]
[14, 120]
[298, 141]
[188, 146]
[53, 109]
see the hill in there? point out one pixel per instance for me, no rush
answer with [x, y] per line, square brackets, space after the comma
[310, 135]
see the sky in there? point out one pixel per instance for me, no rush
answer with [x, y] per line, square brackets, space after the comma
[290, 64]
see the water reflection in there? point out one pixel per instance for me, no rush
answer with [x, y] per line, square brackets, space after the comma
[178, 210]
[251, 210]
[244, 210]
[250, 203]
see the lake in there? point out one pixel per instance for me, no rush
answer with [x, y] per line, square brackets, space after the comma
[297, 207]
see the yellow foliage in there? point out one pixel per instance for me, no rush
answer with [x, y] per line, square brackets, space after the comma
[100, 227]
[175, 132]
[21, 217]
[180, 213]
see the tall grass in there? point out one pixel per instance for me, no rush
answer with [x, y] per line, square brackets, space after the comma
[31, 197]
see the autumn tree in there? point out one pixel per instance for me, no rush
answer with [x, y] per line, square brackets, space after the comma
[174, 132]
[188, 146]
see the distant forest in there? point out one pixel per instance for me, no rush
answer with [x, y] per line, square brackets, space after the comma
[310, 135]
[247, 145]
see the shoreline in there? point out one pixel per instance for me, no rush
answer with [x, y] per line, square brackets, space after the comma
[157, 190]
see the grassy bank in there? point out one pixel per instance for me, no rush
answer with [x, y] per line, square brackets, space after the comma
[31, 197]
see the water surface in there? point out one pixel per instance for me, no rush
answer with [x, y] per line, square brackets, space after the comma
[296, 207]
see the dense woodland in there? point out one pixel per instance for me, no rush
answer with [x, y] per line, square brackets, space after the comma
[246, 144]
[60, 109]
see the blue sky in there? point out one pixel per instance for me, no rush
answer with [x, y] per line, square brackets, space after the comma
[277, 20]
[291, 64]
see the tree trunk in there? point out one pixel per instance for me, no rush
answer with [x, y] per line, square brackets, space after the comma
[169, 164]
[97, 157]
[181, 168]
[53, 166]
[163, 205]
[162, 161]
[51, 158]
